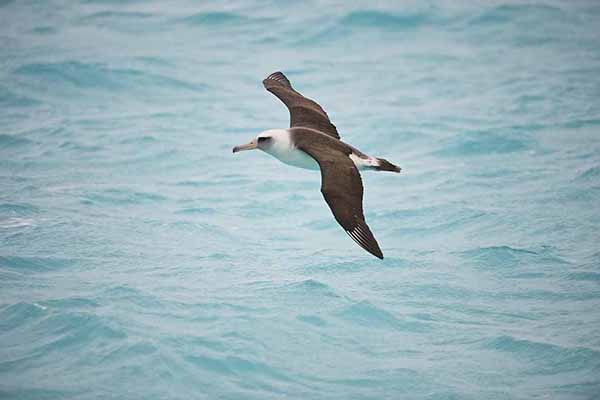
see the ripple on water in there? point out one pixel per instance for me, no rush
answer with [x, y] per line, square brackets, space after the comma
[35, 264]
[367, 315]
[484, 144]
[18, 209]
[386, 20]
[125, 353]
[312, 320]
[494, 256]
[591, 174]
[16, 223]
[196, 211]
[121, 196]
[312, 287]
[75, 74]
[73, 332]
[223, 19]
[116, 15]
[509, 13]
[546, 358]
[214, 18]
[584, 276]
[79, 329]
[71, 303]
[228, 366]
[124, 21]
[16, 315]
[12, 141]
[10, 99]
[133, 296]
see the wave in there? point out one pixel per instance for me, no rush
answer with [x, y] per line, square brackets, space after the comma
[506, 256]
[44, 30]
[122, 294]
[80, 148]
[439, 221]
[588, 276]
[123, 21]
[368, 315]
[485, 143]
[159, 61]
[112, 15]
[10, 141]
[583, 122]
[232, 366]
[224, 19]
[10, 99]
[386, 20]
[145, 140]
[312, 288]
[35, 264]
[15, 391]
[19, 314]
[71, 303]
[196, 211]
[547, 358]
[362, 21]
[509, 13]
[118, 196]
[80, 75]
[61, 330]
[225, 181]
[125, 352]
[591, 174]
[312, 320]
[119, 2]
[214, 18]
[11, 223]
[21, 209]
[74, 329]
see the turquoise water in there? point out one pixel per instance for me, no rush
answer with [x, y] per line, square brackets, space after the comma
[140, 259]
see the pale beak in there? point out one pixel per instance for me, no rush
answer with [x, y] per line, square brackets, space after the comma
[249, 146]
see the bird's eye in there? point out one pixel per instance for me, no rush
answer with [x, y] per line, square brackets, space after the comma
[263, 139]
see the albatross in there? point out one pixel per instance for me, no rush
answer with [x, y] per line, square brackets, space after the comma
[313, 142]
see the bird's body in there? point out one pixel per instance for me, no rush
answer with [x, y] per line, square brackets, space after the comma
[284, 148]
[312, 142]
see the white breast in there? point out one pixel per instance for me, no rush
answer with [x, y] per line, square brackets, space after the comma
[283, 149]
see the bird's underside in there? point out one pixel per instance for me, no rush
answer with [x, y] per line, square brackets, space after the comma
[312, 132]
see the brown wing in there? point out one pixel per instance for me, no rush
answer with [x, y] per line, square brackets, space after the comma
[343, 191]
[303, 112]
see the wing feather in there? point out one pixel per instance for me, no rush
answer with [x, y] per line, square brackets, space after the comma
[304, 112]
[342, 189]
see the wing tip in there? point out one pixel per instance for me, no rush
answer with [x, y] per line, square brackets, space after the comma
[366, 240]
[379, 254]
[279, 77]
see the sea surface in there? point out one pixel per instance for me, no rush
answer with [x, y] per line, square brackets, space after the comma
[141, 259]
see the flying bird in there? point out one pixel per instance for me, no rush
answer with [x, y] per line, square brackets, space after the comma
[313, 142]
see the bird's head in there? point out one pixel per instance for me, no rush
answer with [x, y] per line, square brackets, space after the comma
[262, 142]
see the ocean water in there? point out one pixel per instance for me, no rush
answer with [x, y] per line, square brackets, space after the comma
[140, 259]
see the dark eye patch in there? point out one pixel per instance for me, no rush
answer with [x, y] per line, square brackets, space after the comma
[263, 139]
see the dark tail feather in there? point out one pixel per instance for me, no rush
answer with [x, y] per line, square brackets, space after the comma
[385, 165]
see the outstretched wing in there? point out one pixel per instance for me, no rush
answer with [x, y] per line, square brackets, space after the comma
[303, 112]
[342, 188]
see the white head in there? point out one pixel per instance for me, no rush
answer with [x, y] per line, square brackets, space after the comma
[267, 141]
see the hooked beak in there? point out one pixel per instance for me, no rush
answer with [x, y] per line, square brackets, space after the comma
[249, 146]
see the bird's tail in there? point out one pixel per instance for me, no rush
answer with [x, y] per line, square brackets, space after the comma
[384, 165]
